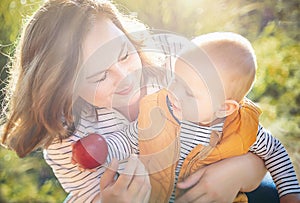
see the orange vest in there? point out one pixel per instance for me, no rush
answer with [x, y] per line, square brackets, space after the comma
[159, 143]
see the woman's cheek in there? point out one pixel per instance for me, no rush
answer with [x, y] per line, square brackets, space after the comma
[103, 97]
[87, 93]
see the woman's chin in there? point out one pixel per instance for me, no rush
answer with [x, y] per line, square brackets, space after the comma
[128, 107]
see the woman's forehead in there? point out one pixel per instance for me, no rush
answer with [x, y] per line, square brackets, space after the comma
[102, 33]
[102, 46]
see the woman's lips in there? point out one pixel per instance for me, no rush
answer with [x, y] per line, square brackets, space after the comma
[126, 90]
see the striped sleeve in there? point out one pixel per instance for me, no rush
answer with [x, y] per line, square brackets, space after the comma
[131, 132]
[122, 143]
[118, 146]
[277, 162]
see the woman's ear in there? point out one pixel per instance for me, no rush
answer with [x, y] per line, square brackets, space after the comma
[227, 108]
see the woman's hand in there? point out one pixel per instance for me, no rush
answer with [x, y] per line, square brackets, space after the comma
[221, 181]
[131, 186]
[290, 198]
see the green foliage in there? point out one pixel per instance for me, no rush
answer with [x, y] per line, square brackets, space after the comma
[277, 86]
[28, 179]
[190, 18]
[13, 13]
[271, 25]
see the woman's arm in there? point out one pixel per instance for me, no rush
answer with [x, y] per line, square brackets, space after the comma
[221, 181]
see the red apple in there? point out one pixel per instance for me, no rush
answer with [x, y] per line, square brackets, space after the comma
[90, 152]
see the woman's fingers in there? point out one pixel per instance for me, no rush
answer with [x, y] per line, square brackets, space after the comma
[196, 188]
[133, 185]
[144, 193]
[126, 177]
[192, 195]
[191, 180]
[140, 184]
[147, 196]
[139, 188]
[109, 174]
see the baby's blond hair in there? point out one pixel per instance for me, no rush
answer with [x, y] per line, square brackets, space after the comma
[234, 58]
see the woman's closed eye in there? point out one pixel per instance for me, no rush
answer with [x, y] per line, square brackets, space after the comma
[124, 56]
[102, 77]
[124, 53]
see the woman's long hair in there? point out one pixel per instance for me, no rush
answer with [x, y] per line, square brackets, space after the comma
[46, 64]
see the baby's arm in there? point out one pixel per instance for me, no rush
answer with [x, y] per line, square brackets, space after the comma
[94, 150]
[122, 143]
[278, 164]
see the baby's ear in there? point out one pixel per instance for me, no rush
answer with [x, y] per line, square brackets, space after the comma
[227, 108]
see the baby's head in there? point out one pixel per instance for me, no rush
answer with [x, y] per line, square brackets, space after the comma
[216, 78]
[234, 58]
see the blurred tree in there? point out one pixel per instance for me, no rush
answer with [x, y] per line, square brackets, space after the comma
[28, 179]
[277, 86]
[191, 18]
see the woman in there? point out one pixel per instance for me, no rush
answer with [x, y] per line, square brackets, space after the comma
[55, 97]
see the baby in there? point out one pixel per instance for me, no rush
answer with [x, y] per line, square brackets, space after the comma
[209, 93]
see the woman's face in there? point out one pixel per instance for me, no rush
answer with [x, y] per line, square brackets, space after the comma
[112, 68]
